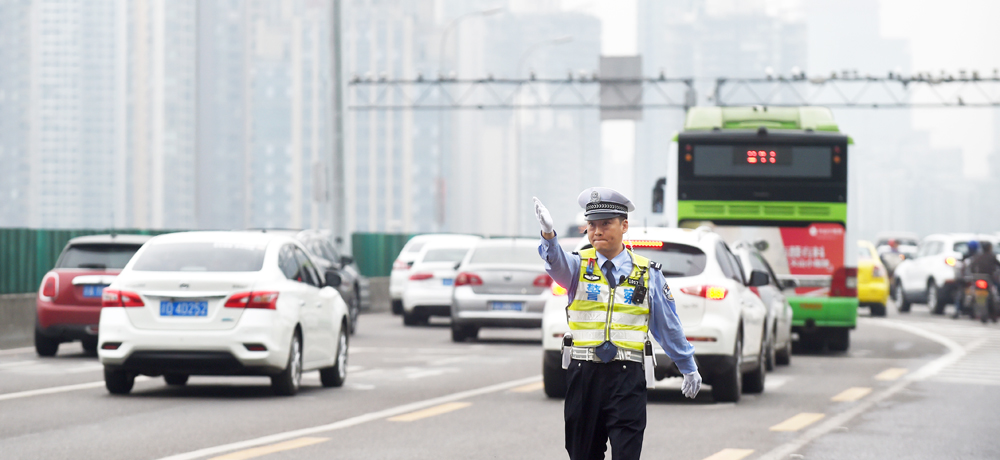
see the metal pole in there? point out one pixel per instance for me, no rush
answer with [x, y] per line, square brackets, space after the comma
[337, 196]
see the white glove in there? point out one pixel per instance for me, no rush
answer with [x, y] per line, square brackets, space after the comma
[544, 218]
[691, 385]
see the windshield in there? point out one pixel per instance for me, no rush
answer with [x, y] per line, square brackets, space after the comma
[201, 257]
[445, 255]
[415, 247]
[97, 256]
[506, 255]
[677, 259]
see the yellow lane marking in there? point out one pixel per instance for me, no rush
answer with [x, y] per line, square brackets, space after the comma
[529, 387]
[798, 422]
[265, 450]
[430, 412]
[851, 394]
[891, 373]
[730, 454]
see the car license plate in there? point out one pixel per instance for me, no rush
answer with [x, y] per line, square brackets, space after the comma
[93, 290]
[183, 308]
[447, 281]
[507, 306]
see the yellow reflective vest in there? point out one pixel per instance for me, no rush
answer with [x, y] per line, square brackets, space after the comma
[599, 313]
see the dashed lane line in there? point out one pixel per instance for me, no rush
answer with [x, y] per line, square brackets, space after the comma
[353, 421]
[955, 352]
[893, 373]
[270, 449]
[798, 422]
[529, 387]
[730, 454]
[851, 394]
[430, 412]
[62, 389]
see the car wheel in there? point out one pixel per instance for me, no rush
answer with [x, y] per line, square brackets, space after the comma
[336, 375]
[411, 318]
[770, 352]
[89, 345]
[934, 300]
[457, 332]
[118, 381]
[553, 375]
[176, 379]
[729, 386]
[878, 310]
[753, 381]
[44, 345]
[902, 304]
[784, 356]
[287, 382]
[397, 307]
[839, 339]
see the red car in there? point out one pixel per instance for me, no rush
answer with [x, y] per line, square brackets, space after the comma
[69, 299]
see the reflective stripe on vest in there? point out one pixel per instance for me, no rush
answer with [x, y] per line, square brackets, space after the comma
[588, 314]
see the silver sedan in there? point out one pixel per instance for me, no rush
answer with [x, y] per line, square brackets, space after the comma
[501, 283]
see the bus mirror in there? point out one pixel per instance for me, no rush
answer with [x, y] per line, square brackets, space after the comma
[658, 195]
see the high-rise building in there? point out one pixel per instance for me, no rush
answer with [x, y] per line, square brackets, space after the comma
[15, 113]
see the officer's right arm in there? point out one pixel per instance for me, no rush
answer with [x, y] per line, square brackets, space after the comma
[563, 267]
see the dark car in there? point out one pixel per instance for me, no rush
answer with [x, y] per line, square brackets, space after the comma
[68, 306]
[354, 288]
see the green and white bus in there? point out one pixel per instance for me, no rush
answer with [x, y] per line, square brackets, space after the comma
[777, 177]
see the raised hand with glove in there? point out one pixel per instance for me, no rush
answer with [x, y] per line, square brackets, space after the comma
[544, 218]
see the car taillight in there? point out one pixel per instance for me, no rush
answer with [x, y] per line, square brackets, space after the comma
[116, 298]
[421, 276]
[950, 261]
[844, 282]
[50, 286]
[878, 272]
[542, 281]
[264, 300]
[706, 291]
[558, 290]
[401, 265]
[470, 279]
[982, 284]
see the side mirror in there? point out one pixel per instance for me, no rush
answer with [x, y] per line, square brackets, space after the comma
[759, 278]
[346, 260]
[789, 284]
[333, 279]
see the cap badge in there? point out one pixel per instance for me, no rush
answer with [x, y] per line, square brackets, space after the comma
[595, 196]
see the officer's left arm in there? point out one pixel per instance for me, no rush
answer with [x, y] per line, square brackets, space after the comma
[666, 326]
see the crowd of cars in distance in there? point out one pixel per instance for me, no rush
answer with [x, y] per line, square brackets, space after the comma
[400, 274]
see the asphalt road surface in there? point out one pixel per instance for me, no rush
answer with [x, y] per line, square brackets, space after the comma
[912, 386]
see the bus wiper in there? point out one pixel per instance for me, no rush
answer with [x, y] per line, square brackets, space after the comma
[94, 266]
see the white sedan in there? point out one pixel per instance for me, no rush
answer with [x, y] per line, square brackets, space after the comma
[400, 273]
[223, 303]
[432, 280]
[722, 317]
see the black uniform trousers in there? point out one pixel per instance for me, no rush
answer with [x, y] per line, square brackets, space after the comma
[605, 401]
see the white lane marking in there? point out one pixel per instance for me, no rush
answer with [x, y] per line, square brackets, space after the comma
[62, 389]
[353, 421]
[955, 352]
[774, 382]
[730, 454]
[14, 351]
[17, 363]
[275, 448]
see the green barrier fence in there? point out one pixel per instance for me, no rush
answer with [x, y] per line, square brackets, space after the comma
[375, 252]
[27, 254]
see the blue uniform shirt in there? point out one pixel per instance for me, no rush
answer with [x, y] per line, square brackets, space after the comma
[664, 324]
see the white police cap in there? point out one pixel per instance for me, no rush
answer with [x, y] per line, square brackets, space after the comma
[604, 203]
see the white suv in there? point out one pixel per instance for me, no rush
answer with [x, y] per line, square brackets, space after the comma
[400, 274]
[722, 317]
[929, 277]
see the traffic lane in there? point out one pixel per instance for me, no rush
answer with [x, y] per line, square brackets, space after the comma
[23, 370]
[418, 363]
[528, 425]
[927, 420]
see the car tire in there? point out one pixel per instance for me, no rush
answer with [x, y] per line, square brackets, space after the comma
[336, 375]
[89, 345]
[902, 304]
[934, 300]
[44, 345]
[461, 333]
[411, 318]
[288, 381]
[728, 387]
[839, 339]
[784, 356]
[770, 353]
[176, 379]
[877, 310]
[553, 375]
[397, 307]
[753, 381]
[118, 381]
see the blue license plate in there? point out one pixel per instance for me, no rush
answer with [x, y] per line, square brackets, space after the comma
[448, 281]
[183, 308]
[507, 306]
[93, 290]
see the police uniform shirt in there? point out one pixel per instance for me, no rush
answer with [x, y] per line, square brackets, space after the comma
[664, 325]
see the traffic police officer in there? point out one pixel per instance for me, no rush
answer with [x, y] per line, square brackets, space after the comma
[605, 381]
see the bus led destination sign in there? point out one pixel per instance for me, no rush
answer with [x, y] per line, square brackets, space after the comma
[753, 161]
[762, 156]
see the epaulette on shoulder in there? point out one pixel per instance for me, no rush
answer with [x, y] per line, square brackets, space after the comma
[655, 265]
[575, 253]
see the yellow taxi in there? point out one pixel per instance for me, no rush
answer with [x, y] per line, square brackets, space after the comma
[873, 284]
